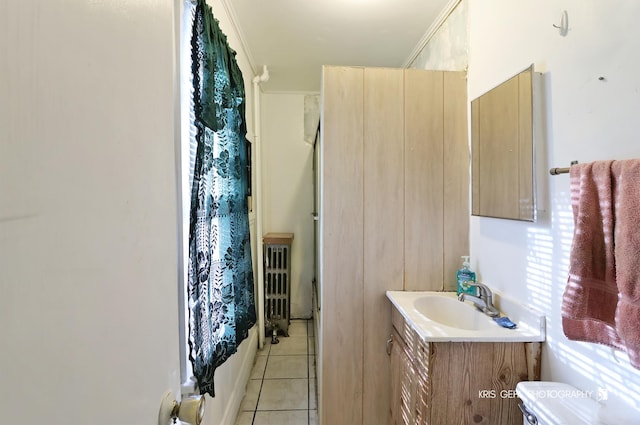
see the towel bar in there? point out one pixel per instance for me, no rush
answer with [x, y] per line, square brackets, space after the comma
[556, 171]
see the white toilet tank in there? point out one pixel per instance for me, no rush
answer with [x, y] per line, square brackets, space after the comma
[555, 403]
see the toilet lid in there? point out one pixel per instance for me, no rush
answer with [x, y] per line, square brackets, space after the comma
[555, 403]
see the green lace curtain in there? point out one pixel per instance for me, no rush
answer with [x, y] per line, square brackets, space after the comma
[220, 277]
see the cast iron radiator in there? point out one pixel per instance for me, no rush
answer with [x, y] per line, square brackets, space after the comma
[277, 282]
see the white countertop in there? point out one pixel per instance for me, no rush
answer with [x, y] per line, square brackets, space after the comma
[531, 324]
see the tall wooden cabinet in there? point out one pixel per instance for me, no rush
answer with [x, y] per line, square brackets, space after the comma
[394, 215]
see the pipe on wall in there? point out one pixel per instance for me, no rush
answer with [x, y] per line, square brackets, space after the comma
[258, 167]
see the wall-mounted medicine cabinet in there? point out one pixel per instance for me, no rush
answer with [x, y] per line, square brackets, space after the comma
[502, 150]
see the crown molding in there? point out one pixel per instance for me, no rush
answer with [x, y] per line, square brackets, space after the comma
[431, 31]
[228, 7]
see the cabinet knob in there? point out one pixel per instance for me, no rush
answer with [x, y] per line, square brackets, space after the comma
[389, 345]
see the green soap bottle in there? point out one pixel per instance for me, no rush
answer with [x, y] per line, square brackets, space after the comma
[466, 276]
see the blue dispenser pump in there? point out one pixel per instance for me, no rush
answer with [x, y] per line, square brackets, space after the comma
[465, 276]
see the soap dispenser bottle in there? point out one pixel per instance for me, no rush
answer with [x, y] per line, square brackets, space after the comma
[466, 276]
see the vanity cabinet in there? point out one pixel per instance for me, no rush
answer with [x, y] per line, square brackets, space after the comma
[456, 382]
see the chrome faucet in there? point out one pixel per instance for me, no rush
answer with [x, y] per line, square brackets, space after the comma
[484, 300]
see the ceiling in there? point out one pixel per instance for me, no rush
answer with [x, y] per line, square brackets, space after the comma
[294, 38]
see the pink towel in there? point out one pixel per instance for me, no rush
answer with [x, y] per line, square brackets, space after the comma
[591, 296]
[627, 255]
[601, 302]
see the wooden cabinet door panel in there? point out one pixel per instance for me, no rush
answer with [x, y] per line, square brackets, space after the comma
[424, 174]
[342, 239]
[383, 228]
[403, 383]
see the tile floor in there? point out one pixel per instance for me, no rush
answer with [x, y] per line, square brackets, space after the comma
[282, 386]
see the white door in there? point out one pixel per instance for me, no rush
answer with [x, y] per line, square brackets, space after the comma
[88, 211]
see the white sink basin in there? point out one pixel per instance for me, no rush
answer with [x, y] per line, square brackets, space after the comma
[439, 316]
[451, 312]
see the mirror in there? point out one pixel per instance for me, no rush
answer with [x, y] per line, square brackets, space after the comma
[502, 150]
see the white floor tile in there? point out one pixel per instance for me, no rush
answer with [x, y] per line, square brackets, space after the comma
[298, 328]
[282, 417]
[250, 400]
[287, 367]
[312, 366]
[245, 418]
[290, 346]
[312, 345]
[312, 394]
[282, 385]
[284, 394]
[264, 351]
[257, 372]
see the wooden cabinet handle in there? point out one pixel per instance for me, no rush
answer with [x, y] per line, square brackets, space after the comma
[389, 345]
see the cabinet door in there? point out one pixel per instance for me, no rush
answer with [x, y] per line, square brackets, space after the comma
[456, 171]
[383, 228]
[403, 383]
[422, 393]
[436, 178]
[423, 184]
[341, 249]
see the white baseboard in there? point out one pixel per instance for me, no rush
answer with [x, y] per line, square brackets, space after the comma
[231, 382]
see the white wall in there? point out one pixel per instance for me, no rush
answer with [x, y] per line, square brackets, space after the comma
[88, 211]
[586, 119]
[447, 48]
[288, 188]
